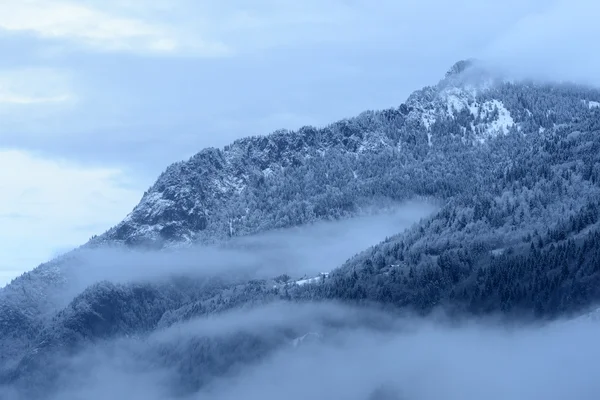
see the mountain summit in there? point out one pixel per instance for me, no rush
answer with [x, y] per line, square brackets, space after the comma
[460, 66]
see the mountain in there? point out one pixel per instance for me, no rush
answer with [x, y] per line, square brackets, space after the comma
[515, 165]
[292, 178]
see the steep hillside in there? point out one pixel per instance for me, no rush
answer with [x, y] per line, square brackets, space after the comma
[525, 243]
[515, 164]
[424, 147]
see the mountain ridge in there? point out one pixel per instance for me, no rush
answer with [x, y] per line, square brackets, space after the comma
[517, 166]
[184, 205]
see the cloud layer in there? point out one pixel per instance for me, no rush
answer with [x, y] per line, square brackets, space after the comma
[348, 358]
[95, 28]
[33, 86]
[299, 252]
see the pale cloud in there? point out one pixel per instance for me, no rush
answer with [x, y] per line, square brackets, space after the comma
[97, 28]
[411, 26]
[19, 99]
[558, 42]
[29, 86]
[48, 206]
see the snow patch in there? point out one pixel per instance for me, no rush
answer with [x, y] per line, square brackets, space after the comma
[497, 120]
[315, 279]
[308, 336]
[457, 99]
[219, 186]
[497, 252]
[373, 141]
[454, 104]
[474, 108]
[154, 203]
[428, 119]
[308, 280]
[267, 172]
[593, 104]
[229, 184]
[504, 121]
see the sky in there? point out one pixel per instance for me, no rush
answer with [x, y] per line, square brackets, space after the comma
[98, 97]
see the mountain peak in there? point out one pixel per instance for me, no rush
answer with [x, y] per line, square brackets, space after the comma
[460, 66]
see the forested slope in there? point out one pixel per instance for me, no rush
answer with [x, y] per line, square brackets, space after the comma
[514, 165]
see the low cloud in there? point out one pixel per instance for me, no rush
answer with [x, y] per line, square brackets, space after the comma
[317, 350]
[297, 252]
[350, 357]
[432, 361]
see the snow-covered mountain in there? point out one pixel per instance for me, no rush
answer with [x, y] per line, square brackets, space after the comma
[291, 178]
[516, 165]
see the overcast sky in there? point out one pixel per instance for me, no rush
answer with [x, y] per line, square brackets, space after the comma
[98, 97]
